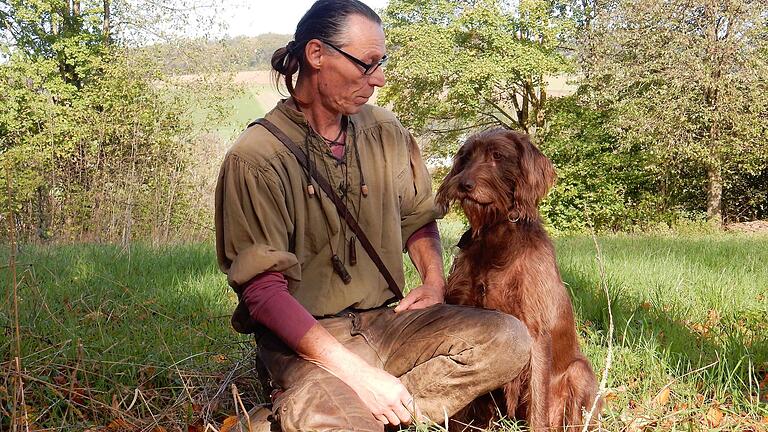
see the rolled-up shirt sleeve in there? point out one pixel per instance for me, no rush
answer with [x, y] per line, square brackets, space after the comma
[417, 206]
[253, 225]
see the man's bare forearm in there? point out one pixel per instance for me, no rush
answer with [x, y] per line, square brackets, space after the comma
[381, 392]
[427, 256]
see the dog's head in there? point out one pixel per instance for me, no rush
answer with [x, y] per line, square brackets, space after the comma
[497, 174]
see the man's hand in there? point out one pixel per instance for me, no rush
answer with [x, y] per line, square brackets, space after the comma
[423, 296]
[386, 397]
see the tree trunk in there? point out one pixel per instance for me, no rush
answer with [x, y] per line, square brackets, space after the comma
[711, 97]
[106, 24]
[715, 195]
[540, 114]
[525, 108]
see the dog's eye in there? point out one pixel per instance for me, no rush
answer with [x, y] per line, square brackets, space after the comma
[497, 156]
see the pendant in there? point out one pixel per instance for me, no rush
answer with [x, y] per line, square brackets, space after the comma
[352, 251]
[340, 270]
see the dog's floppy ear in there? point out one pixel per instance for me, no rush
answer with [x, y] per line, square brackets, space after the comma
[537, 175]
[442, 197]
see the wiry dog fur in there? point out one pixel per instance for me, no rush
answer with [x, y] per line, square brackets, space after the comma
[507, 263]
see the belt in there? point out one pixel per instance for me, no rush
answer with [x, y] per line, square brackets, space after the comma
[352, 310]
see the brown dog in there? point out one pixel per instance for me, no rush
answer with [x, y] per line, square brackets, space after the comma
[507, 263]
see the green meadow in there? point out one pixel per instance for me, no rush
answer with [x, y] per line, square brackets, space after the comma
[141, 336]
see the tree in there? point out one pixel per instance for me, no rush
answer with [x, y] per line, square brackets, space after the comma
[461, 65]
[601, 183]
[688, 82]
[98, 139]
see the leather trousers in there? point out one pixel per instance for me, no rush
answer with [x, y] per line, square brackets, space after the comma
[445, 355]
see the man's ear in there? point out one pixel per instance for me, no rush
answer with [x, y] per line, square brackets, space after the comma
[313, 51]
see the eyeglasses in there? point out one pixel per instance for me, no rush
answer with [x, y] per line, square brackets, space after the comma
[368, 68]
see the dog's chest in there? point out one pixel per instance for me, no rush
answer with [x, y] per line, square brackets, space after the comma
[496, 289]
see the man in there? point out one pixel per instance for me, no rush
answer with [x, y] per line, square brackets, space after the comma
[339, 357]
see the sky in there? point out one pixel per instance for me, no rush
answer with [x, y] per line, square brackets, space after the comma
[254, 17]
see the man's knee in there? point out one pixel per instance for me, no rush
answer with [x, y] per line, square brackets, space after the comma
[323, 403]
[510, 344]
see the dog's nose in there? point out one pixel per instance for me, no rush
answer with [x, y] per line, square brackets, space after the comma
[466, 185]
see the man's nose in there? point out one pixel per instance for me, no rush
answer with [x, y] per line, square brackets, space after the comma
[377, 78]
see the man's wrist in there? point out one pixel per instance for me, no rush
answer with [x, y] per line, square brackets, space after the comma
[330, 354]
[437, 282]
[434, 275]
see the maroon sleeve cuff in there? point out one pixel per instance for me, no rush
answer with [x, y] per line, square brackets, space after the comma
[429, 230]
[270, 304]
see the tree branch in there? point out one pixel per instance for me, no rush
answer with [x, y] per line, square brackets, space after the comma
[499, 109]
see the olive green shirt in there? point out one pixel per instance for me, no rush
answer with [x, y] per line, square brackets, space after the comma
[267, 221]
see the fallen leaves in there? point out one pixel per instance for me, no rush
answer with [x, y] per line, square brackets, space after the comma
[229, 424]
[219, 358]
[119, 425]
[122, 425]
[715, 416]
[668, 408]
[637, 423]
[662, 397]
[74, 391]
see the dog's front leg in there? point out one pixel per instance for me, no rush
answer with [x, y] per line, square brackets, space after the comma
[541, 376]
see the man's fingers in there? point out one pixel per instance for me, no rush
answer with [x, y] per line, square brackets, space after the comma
[421, 303]
[382, 418]
[405, 303]
[410, 406]
[392, 417]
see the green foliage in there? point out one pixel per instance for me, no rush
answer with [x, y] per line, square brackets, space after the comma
[599, 182]
[671, 117]
[96, 141]
[687, 83]
[105, 161]
[457, 66]
[603, 183]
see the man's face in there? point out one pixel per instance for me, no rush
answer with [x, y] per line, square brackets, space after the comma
[342, 83]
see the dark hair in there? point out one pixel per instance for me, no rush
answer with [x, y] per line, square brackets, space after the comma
[325, 20]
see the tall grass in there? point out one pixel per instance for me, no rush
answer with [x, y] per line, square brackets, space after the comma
[105, 329]
[690, 311]
[143, 334]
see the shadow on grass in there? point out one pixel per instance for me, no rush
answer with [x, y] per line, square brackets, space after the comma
[658, 318]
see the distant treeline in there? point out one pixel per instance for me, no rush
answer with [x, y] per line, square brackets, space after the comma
[194, 56]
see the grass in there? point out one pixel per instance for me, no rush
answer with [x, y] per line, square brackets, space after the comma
[244, 109]
[239, 109]
[143, 335]
[101, 325]
[690, 313]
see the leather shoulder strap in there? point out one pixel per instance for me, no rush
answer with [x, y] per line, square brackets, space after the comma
[340, 207]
